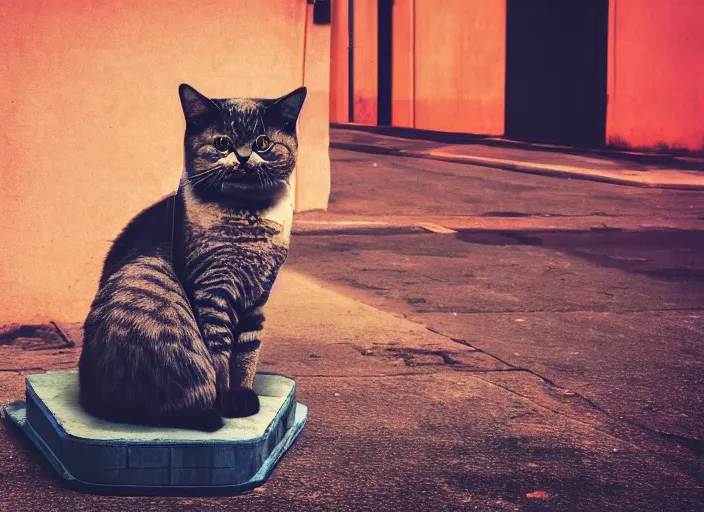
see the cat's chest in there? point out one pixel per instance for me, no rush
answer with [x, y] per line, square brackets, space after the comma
[281, 214]
[211, 224]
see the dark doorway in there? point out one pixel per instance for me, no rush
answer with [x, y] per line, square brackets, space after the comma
[350, 61]
[384, 46]
[556, 53]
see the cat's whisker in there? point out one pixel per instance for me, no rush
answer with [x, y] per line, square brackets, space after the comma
[223, 176]
[220, 177]
[210, 177]
[202, 180]
[203, 173]
[199, 178]
[212, 181]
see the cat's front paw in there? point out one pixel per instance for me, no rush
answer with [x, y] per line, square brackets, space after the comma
[240, 402]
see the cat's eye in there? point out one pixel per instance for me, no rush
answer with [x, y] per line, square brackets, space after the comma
[262, 144]
[222, 144]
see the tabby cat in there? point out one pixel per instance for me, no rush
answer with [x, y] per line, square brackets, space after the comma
[172, 336]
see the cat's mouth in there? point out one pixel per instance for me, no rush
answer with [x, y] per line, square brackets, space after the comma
[246, 181]
[250, 185]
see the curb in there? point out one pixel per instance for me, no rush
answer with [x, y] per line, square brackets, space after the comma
[555, 171]
[331, 224]
[454, 138]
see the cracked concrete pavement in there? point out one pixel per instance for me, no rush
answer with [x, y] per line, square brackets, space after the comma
[401, 418]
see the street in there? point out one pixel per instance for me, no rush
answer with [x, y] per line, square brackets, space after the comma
[466, 237]
[602, 323]
[537, 346]
[612, 314]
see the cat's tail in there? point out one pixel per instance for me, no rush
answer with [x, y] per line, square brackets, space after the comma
[208, 420]
[205, 420]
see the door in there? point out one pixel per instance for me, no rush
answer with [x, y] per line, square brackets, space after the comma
[556, 57]
[385, 38]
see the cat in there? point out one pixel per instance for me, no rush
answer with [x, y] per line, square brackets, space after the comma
[173, 334]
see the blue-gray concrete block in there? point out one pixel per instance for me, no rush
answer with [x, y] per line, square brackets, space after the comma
[198, 457]
[211, 476]
[148, 456]
[43, 427]
[131, 476]
[93, 456]
[115, 458]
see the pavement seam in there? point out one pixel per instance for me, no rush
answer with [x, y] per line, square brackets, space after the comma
[696, 446]
[511, 367]
[567, 416]
[365, 376]
[551, 311]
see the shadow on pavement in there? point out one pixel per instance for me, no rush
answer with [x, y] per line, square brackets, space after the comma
[668, 254]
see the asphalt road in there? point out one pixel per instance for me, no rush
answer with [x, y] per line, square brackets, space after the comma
[613, 316]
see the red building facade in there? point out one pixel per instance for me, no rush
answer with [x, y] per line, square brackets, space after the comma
[626, 73]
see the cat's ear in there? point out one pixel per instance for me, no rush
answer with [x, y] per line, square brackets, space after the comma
[284, 111]
[197, 108]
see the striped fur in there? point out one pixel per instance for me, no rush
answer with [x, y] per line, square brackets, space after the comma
[173, 335]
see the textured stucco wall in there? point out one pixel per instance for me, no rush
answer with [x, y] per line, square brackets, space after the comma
[93, 126]
[460, 65]
[366, 61]
[448, 66]
[339, 62]
[402, 64]
[656, 76]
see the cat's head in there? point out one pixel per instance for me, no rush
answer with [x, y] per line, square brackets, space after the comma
[240, 150]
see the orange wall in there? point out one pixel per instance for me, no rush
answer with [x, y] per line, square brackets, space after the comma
[93, 125]
[402, 80]
[656, 73]
[448, 66]
[339, 57]
[460, 61]
[366, 61]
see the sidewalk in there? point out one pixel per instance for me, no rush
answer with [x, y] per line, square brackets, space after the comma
[401, 418]
[622, 168]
